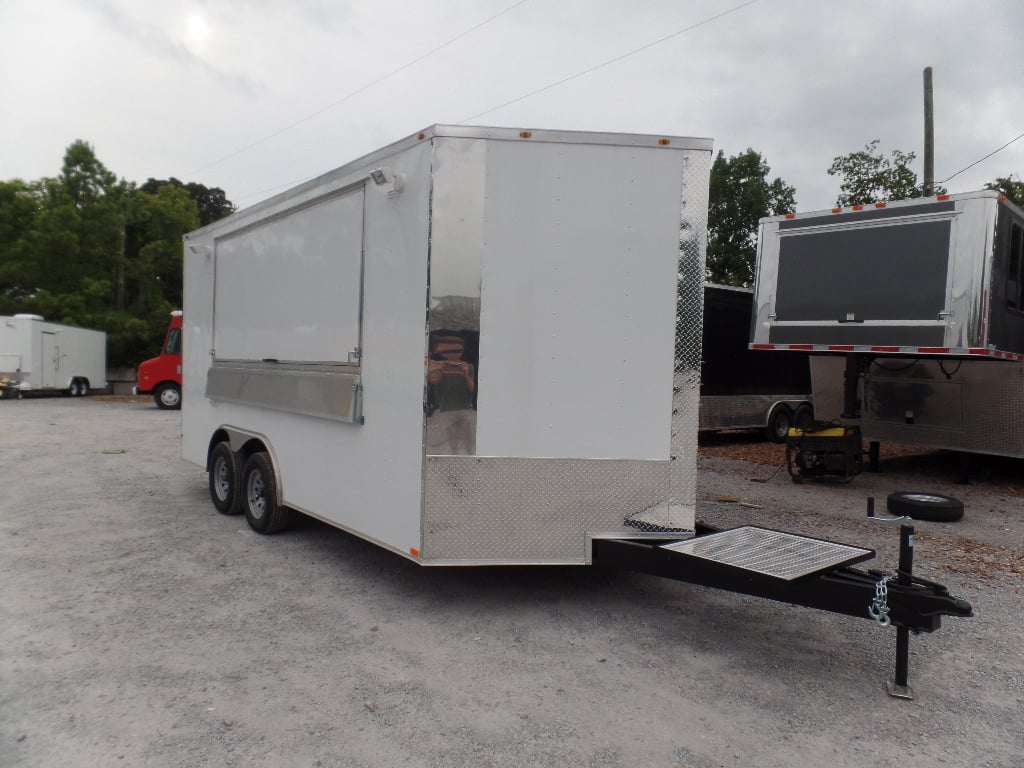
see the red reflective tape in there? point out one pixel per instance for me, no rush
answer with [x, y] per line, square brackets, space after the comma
[980, 351]
[762, 346]
[885, 349]
[840, 348]
[802, 347]
[933, 350]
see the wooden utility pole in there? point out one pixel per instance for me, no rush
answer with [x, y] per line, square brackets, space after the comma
[929, 136]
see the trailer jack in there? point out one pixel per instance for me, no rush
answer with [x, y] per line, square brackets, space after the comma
[798, 570]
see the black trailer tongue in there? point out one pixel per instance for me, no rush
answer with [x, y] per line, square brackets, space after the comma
[799, 570]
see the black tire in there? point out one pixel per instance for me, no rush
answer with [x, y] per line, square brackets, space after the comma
[803, 417]
[779, 422]
[925, 506]
[168, 397]
[258, 496]
[225, 477]
[73, 388]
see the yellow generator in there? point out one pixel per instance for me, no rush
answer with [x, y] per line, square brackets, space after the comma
[824, 450]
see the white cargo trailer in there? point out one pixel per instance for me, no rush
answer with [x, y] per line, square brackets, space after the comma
[482, 346]
[913, 313]
[461, 347]
[37, 356]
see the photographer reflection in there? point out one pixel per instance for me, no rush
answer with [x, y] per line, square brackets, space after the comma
[451, 382]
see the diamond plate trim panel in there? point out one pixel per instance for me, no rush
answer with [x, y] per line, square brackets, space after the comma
[781, 555]
[693, 229]
[513, 510]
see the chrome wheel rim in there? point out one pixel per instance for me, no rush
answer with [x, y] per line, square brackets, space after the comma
[256, 495]
[925, 497]
[221, 479]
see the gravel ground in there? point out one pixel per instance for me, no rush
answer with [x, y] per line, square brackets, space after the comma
[140, 628]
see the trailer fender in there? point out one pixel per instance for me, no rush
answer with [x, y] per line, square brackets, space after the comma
[244, 443]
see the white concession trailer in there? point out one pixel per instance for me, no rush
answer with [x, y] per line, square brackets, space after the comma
[482, 346]
[533, 274]
[37, 356]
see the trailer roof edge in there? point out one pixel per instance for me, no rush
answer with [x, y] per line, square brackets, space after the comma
[462, 131]
[916, 201]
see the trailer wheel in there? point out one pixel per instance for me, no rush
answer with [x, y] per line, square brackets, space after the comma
[225, 475]
[73, 388]
[926, 506]
[168, 397]
[259, 496]
[779, 422]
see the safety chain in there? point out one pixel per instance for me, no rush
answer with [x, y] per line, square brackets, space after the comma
[879, 608]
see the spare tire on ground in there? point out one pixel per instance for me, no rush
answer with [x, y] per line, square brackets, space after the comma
[926, 506]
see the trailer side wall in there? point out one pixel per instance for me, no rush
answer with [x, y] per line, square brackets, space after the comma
[366, 478]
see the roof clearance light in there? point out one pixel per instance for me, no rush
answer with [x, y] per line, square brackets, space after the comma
[664, 142]
[526, 134]
[836, 210]
[790, 215]
[857, 207]
[880, 205]
[942, 197]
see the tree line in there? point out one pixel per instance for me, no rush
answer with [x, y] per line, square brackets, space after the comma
[741, 194]
[89, 249]
[86, 248]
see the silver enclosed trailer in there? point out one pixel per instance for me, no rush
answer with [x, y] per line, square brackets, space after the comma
[37, 356]
[913, 312]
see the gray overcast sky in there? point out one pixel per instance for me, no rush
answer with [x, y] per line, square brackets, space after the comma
[256, 96]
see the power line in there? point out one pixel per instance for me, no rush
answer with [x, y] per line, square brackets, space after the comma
[358, 91]
[612, 61]
[986, 157]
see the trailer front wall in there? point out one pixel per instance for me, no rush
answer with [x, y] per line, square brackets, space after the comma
[15, 349]
[556, 264]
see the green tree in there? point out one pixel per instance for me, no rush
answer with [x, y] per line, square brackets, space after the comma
[19, 211]
[79, 230]
[212, 203]
[86, 248]
[155, 264]
[1012, 188]
[870, 177]
[740, 195]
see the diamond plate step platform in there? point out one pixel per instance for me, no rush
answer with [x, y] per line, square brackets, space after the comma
[784, 556]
